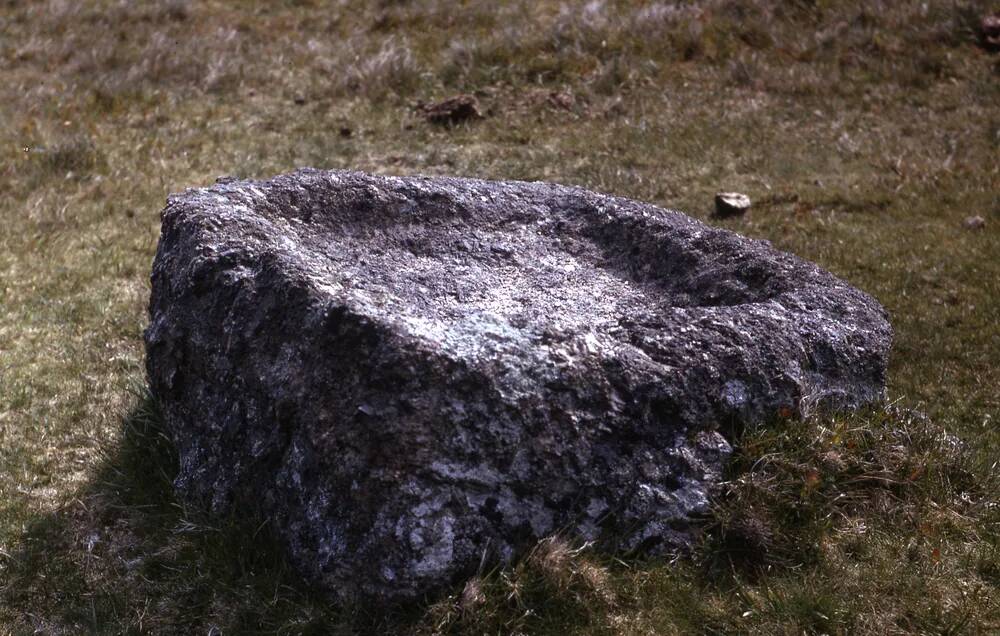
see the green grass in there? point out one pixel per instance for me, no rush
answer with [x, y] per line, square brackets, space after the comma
[864, 134]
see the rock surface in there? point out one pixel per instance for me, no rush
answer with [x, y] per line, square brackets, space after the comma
[989, 29]
[409, 376]
[974, 222]
[731, 204]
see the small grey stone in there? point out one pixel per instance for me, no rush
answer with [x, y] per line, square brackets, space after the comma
[316, 366]
[731, 204]
[974, 222]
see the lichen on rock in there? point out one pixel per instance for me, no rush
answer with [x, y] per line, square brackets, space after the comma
[409, 375]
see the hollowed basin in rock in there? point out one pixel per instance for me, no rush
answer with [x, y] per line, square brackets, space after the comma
[408, 377]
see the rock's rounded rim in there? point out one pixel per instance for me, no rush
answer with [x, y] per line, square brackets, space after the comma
[464, 269]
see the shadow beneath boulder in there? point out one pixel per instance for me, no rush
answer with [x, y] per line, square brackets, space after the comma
[125, 556]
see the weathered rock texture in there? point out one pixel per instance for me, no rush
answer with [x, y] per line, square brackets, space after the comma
[409, 375]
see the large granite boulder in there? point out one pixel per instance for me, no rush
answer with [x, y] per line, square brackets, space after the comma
[409, 376]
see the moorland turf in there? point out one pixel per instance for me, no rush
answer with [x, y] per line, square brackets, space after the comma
[865, 133]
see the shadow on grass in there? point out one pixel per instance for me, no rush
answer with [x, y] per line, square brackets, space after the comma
[125, 556]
